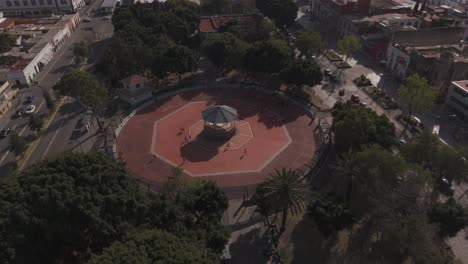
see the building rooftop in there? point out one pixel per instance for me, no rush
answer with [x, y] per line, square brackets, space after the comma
[210, 24]
[429, 37]
[109, 3]
[462, 85]
[132, 80]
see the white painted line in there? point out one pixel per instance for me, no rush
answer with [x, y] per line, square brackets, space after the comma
[53, 138]
[22, 130]
[39, 107]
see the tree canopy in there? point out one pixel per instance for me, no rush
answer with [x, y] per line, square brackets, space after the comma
[416, 94]
[82, 86]
[283, 192]
[6, 41]
[446, 164]
[224, 49]
[348, 45]
[268, 56]
[309, 43]
[302, 72]
[283, 12]
[153, 246]
[450, 217]
[356, 126]
[65, 210]
[61, 209]
[155, 40]
[81, 51]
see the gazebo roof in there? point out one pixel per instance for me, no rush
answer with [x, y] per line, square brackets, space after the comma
[219, 114]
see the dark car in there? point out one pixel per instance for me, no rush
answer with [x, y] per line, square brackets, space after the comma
[4, 132]
[29, 99]
[355, 98]
[19, 112]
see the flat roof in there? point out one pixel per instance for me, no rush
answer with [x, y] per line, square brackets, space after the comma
[109, 3]
[462, 85]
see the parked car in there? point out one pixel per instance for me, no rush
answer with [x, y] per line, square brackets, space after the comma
[355, 99]
[4, 132]
[29, 99]
[106, 18]
[30, 109]
[334, 77]
[327, 72]
[86, 20]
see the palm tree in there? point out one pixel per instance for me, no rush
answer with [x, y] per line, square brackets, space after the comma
[285, 190]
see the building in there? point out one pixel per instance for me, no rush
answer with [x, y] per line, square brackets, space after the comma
[6, 96]
[211, 24]
[405, 42]
[38, 39]
[39, 7]
[457, 98]
[134, 90]
[452, 3]
[108, 6]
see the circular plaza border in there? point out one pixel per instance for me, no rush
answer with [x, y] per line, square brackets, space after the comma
[274, 132]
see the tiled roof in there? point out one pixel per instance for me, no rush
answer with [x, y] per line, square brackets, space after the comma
[133, 80]
[213, 23]
[20, 64]
[128, 94]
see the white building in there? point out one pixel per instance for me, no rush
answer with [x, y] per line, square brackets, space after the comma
[457, 98]
[39, 7]
[25, 70]
[397, 60]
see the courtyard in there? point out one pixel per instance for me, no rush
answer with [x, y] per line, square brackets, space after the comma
[272, 133]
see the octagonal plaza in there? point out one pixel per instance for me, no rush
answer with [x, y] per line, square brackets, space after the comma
[249, 150]
[271, 134]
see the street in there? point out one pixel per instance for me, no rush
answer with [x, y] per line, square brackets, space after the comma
[55, 138]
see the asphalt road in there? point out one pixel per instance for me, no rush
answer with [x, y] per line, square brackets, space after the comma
[59, 136]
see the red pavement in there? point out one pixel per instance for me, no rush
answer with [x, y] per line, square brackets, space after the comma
[271, 134]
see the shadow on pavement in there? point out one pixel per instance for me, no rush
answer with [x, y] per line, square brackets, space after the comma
[248, 248]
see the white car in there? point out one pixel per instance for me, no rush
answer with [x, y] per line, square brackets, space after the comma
[106, 18]
[86, 19]
[30, 109]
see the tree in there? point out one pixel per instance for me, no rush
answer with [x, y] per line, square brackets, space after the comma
[348, 45]
[36, 122]
[417, 95]
[80, 51]
[308, 43]
[177, 59]
[445, 164]
[283, 12]
[153, 246]
[224, 50]
[330, 214]
[6, 41]
[450, 217]
[355, 126]
[18, 144]
[268, 56]
[302, 72]
[283, 192]
[60, 211]
[373, 172]
[82, 86]
[50, 104]
[265, 29]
